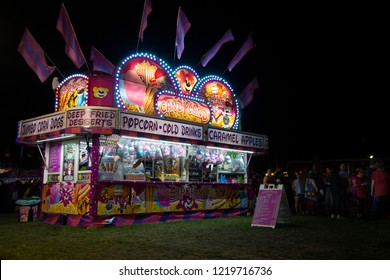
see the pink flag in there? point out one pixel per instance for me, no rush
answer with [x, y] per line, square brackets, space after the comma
[100, 62]
[72, 47]
[34, 55]
[211, 53]
[183, 25]
[246, 47]
[144, 21]
[246, 95]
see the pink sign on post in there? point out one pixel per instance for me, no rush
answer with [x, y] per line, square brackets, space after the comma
[267, 206]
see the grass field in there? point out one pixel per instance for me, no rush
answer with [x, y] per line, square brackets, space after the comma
[305, 238]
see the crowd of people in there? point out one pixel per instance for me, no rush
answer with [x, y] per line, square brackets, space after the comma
[337, 192]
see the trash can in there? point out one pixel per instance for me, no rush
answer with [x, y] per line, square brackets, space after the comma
[28, 209]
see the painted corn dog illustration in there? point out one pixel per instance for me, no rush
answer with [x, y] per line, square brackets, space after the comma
[83, 192]
[75, 197]
[218, 203]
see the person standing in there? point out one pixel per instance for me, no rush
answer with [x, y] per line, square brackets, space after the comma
[380, 191]
[347, 183]
[359, 192]
[328, 194]
[311, 191]
[337, 186]
[371, 168]
[299, 194]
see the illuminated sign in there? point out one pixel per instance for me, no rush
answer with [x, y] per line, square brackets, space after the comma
[138, 79]
[187, 79]
[46, 124]
[102, 91]
[91, 117]
[238, 139]
[223, 103]
[182, 108]
[72, 92]
[137, 123]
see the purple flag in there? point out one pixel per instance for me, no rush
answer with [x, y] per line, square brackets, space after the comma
[144, 20]
[246, 95]
[211, 53]
[34, 55]
[246, 47]
[100, 62]
[72, 47]
[183, 25]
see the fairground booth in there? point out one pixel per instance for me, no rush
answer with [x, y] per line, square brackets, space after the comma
[147, 144]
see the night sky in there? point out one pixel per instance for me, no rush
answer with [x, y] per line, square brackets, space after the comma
[321, 67]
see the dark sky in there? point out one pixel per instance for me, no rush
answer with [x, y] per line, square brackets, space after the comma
[321, 67]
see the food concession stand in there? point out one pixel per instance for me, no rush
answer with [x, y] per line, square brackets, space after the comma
[147, 144]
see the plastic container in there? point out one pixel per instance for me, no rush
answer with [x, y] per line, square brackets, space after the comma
[28, 209]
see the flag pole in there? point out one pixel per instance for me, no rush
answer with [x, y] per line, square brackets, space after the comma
[140, 26]
[86, 63]
[53, 64]
[224, 71]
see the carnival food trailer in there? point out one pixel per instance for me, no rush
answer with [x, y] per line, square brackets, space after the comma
[147, 144]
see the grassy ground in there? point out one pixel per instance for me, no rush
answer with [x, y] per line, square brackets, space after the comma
[305, 238]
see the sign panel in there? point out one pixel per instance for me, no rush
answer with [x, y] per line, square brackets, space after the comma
[55, 157]
[137, 123]
[187, 79]
[183, 108]
[138, 79]
[91, 117]
[101, 91]
[268, 206]
[72, 92]
[222, 100]
[44, 124]
[238, 139]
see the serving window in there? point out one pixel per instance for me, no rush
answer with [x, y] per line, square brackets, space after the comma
[68, 161]
[127, 158]
[140, 159]
[210, 164]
